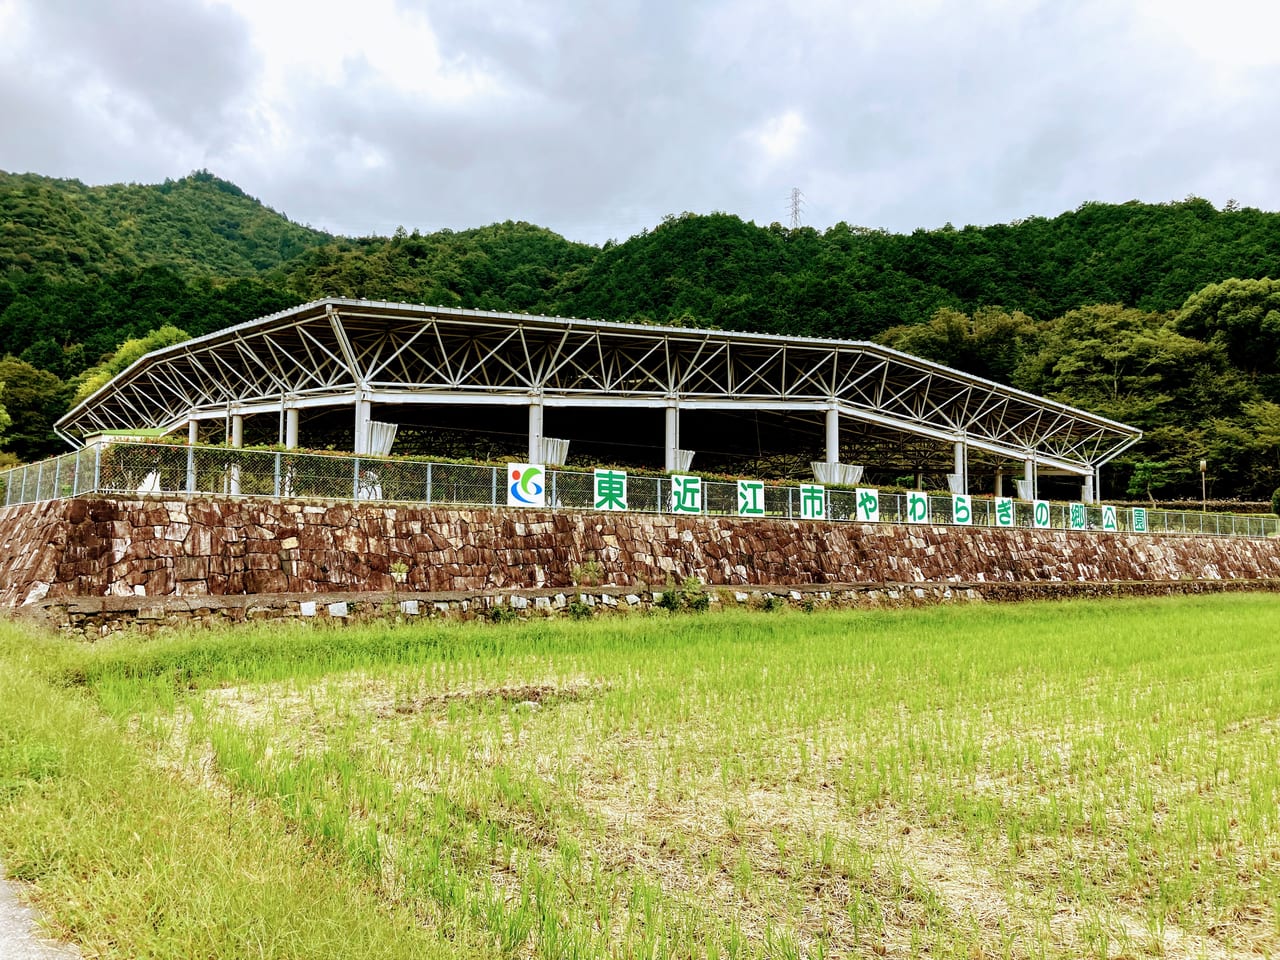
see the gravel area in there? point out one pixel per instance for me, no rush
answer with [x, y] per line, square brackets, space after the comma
[20, 937]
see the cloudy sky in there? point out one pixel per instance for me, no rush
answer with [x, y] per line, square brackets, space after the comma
[597, 119]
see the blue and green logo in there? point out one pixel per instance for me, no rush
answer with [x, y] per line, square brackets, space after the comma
[527, 487]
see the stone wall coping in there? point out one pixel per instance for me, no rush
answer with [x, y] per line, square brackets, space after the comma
[126, 606]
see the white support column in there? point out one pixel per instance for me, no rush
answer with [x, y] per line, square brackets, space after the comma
[999, 482]
[1086, 493]
[291, 428]
[535, 430]
[671, 437]
[1029, 474]
[961, 470]
[193, 437]
[237, 441]
[833, 434]
[360, 442]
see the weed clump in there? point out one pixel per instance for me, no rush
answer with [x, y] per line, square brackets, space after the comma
[501, 613]
[689, 595]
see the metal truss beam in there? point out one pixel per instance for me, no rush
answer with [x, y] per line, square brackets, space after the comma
[323, 353]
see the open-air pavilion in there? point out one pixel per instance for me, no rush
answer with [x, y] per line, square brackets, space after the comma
[353, 372]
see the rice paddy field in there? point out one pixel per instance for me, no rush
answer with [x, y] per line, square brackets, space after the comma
[1097, 779]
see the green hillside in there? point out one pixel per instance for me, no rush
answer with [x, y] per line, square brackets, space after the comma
[201, 225]
[1162, 315]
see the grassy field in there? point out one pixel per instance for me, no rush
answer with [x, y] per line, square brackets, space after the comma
[1075, 779]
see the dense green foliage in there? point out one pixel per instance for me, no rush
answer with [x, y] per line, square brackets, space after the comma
[1160, 315]
[199, 224]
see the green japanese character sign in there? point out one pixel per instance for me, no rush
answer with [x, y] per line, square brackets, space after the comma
[751, 498]
[686, 494]
[961, 509]
[868, 503]
[917, 507]
[1109, 518]
[1004, 512]
[813, 501]
[1139, 519]
[1040, 514]
[1078, 516]
[611, 490]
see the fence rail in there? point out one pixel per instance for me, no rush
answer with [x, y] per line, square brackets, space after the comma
[125, 468]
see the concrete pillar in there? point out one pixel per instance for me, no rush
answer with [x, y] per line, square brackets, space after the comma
[671, 436]
[291, 428]
[961, 465]
[1086, 494]
[363, 415]
[237, 441]
[833, 434]
[193, 437]
[1029, 474]
[999, 482]
[535, 431]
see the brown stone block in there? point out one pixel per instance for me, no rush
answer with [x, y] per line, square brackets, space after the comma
[266, 581]
[262, 561]
[337, 516]
[159, 583]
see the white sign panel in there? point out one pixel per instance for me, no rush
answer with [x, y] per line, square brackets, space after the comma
[526, 485]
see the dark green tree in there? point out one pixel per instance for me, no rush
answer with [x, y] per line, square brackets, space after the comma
[34, 400]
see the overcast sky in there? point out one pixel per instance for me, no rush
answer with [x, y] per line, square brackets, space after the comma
[597, 119]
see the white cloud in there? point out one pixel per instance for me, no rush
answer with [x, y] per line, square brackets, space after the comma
[377, 45]
[779, 136]
[598, 120]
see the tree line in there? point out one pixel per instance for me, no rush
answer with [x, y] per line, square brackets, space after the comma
[1160, 315]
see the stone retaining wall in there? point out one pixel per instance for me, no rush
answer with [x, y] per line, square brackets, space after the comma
[98, 617]
[158, 548]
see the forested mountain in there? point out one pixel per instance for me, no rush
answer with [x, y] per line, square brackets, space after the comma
[200, 224]
[1157, 314]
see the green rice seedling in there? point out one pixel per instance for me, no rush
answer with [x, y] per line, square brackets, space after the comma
[1040, 780]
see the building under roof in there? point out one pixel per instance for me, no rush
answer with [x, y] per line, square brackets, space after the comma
[355, 370]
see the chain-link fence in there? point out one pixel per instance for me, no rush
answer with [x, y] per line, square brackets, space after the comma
[125, 468]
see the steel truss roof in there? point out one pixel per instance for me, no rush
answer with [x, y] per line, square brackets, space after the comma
[330, 352]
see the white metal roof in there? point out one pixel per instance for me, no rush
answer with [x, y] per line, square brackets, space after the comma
[327, 352]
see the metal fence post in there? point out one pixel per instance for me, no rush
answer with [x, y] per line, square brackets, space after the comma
[493, 486]
[555, 500]
[355, 478]
[428, 483]
[276, 486]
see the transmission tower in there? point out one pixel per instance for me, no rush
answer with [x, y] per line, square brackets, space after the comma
[797, 202]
